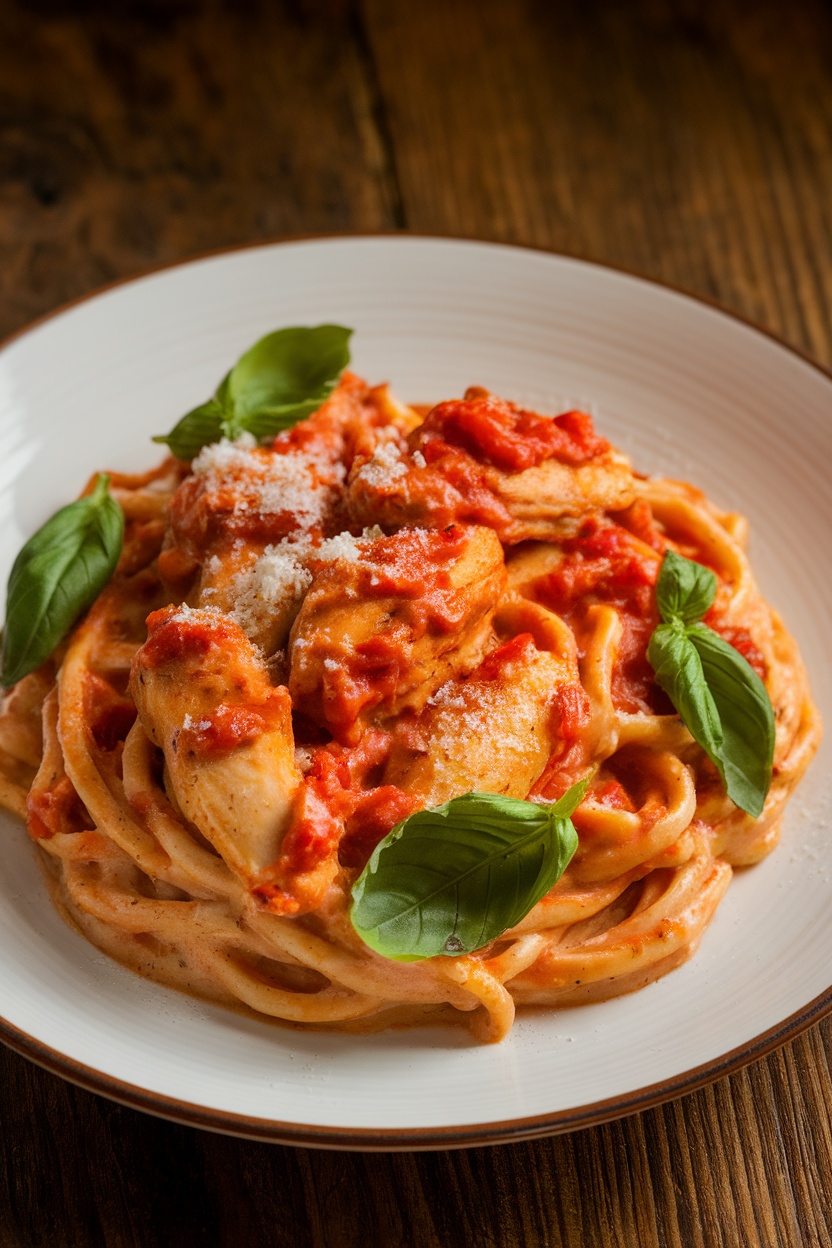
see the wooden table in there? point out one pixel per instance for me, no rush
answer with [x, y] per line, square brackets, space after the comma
[690, 142]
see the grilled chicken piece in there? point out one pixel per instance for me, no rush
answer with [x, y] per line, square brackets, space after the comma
[492, 732]
[257, 495]
[545, 498]
[261, 587]
[381, 634]
[204, 697]
[483, 460]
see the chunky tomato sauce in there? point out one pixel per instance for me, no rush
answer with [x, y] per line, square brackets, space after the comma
[497, 432]
[56, 809]
[571, 713]
[109, 714]
[411, 577]
[181, 637]
[415, 564]
[370, 674]
[340, 807]
[456, 488]
[202, 516]
[612, 794]
[227, 728]
[604, 562]
[608, 563]
[174, 634]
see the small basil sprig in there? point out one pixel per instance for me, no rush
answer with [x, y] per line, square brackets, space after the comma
[450, 879]
[58, 573]
[281, 379]
[721, 699]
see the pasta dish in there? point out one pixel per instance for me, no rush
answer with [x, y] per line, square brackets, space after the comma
[311, 638]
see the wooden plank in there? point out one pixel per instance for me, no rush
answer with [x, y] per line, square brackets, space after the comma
[137, 135]
[690, 143]
[710, 1169]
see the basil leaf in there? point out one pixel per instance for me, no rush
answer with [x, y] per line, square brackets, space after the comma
[57, 575]
[451, 879]
[195, 430]
[745, 712]
[678, 668]
[287, 369]
[284, 377]
[724, 706]
[721, 699]
[268, 421]
[685, 590]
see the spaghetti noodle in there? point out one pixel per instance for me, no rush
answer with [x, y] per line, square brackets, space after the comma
[379, 610]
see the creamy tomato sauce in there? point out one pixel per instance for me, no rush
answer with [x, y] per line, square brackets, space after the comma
[383, 619]
[497, 432]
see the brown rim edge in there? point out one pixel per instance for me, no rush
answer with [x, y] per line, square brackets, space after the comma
[371, 1139]
[417, 1139]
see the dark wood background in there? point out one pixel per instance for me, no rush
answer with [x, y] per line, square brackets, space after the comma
[690, 142]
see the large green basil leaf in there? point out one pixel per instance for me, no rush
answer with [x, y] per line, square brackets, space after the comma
[57, 575]
[678, 668]
[724, 706]
[451, 879]
[746, 717]
[286, 370]
[283, 378]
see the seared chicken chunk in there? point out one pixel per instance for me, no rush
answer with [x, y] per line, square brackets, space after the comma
[261, 587]
[239, 495]
[484, 460]
[381, 634]
[492, 732]
[204, 697]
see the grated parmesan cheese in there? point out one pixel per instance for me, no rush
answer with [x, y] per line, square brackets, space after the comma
[223, 457]
[385, 467]
[278, 579]
[518, 722]
[270, 483]
[274, 582]
[342, 546]
[447, 695]
[212, 616]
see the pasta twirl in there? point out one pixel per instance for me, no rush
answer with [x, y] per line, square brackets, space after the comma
[374, 612]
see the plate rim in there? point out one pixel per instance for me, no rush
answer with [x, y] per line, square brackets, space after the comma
[414, 1139]
[380, 1139]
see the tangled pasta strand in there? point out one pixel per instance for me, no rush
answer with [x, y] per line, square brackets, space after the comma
[541, 681]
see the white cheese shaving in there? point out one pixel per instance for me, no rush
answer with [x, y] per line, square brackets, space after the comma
[274, 581]
[303, 758]
[268, 482]
[212, 616]
[385, 467]
[342, 546]
[280, 577]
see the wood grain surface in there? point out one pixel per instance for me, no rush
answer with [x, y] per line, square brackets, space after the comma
[690, 142]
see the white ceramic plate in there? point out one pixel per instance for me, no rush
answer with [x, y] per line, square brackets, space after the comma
[688, 391]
